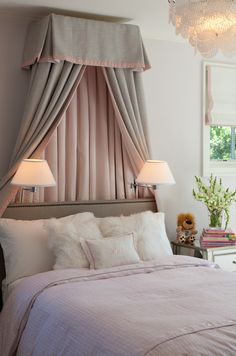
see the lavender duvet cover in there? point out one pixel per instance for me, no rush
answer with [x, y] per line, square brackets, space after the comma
[176, 306]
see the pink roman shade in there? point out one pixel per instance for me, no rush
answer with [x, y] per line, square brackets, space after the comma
[220, 95]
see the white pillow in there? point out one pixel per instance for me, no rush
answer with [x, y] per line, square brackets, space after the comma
[111, 252]
[24, 244]
[64, 241]
[149, 227]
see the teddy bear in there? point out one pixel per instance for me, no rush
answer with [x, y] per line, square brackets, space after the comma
[186, 229]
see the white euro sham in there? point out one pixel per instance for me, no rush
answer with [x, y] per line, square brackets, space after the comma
[65, 242]
[149, 228]
[25, 245]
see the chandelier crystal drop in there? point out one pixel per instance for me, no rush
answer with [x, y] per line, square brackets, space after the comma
[209, 25]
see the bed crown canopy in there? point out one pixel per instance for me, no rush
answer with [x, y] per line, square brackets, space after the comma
[57, 51]
[80, 41]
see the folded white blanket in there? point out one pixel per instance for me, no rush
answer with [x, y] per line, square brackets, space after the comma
[177, 306]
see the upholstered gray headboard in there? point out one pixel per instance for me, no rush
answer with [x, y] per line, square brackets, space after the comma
[100, 208]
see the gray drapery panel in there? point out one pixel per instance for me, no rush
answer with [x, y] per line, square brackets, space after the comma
[51, 89]
[127, 94]
[97, 43]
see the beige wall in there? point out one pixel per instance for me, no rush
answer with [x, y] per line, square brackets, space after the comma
[13, 84]
[173, 96]
[173, 89]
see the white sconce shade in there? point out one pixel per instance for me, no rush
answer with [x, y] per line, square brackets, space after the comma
[155, 173]
[34, 173]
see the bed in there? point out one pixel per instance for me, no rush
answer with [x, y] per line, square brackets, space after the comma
[171, 305]
[100, 208]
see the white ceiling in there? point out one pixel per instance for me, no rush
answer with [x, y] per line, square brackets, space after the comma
[150, 15]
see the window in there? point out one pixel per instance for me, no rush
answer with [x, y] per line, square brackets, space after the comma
[219, 124]
[222, 143]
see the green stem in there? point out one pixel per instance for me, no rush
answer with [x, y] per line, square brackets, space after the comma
[216, 219]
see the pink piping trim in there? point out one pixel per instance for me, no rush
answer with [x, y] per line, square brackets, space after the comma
[208, 116]
[76, 60]
[91, 255]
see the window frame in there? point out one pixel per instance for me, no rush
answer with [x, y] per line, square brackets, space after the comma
[222, 168]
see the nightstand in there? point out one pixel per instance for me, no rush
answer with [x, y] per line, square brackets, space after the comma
[225, 256]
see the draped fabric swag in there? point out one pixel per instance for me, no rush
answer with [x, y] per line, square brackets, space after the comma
[50, 91]
[126, 91]
[54, 92]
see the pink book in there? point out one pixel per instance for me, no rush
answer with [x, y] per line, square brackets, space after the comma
[219, 240]
[218, 231]
[217, 244]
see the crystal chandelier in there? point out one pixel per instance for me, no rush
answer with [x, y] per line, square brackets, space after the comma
[209, 25]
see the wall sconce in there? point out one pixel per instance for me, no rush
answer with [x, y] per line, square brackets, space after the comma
[153, 174]
[32, 174]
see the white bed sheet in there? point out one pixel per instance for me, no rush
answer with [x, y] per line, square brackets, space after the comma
[175, 306]
[8, 288]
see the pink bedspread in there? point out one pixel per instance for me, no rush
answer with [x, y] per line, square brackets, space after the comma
[177, 306]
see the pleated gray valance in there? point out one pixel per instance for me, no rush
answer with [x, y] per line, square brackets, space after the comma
[57, 38]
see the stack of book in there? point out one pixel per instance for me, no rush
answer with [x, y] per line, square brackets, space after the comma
[217, 238]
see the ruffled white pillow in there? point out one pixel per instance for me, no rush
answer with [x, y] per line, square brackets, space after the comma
[65, 242]
[149, 228]
[111, 252]
[25, 245]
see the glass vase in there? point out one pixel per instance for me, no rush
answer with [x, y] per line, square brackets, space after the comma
[216, 218]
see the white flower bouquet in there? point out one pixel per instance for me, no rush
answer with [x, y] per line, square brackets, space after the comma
[216, 198]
